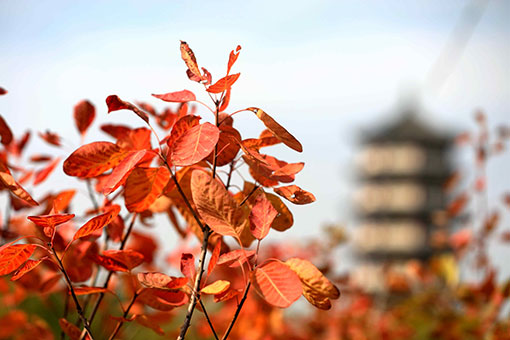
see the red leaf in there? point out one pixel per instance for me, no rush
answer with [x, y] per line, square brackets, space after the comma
[109, 263]
[295, 194]
[191, 62]
[144, 186]
[130, 258]
[278, 131]
[49, 222]
[162, 281]
[93, 159]
[97, 222]
[89, 290]
[457, 205]
[237, 257]
[194, 145]
[115, 229]
[84, 114]
[115, 103]
[188, 266]
[223, 84]
[28, 266]
[51, 138]
[177, 97]
[163, 300]
[228, 146]
[234, 54]
[7, 181]
[116, 131]
[122, 170]
[214, 204]
[42, 174]
[181, 126]
[262, 216]
[72, 331]
[40, 158]
[13, 256]
[214, 257]
[276, 283]
[5, 132]
[2, 91]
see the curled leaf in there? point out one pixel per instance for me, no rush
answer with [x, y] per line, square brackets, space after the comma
[295, 194]
[177, 97]
[114, 103]
[223, 84]
[191, 62]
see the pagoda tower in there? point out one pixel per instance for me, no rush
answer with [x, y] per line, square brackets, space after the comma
[402, 168]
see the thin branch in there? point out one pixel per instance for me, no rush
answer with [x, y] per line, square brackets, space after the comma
[232, 166]
[208, 319]
[196, 289]
[73, 294]
[66, 311]
[124, 316]
[248, 196]
[91, 195]
[238, 310]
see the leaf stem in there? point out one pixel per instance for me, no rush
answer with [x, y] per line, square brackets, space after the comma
[208, 319]
[238, 310]
[73, 294]
[124, 316]
[195, 296]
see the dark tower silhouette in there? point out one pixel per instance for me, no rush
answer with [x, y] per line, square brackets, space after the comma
[402, 168]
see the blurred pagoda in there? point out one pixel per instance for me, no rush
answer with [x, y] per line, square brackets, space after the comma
[402, 168]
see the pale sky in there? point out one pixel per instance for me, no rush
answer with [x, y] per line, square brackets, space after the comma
[326, 70]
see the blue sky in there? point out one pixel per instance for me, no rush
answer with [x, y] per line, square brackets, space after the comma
[324, 69]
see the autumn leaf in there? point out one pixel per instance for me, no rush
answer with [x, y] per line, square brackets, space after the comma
[72, 331]
[317, 289]
[457, 205]
[93, 159]
[261, 217]
[276, 283]
[7, 181]
[217, 287]
[278, 131]
[2, 91]
[128, 257]
[191, 62]
[223, 84]
[163, 300]
[234, 54]
[148, 322]
[214, 204]
[42, 174]
[182, 125]
[50, 138]
[5, 132]
[235, 257]
[49, 222]
[188, 266]
[114, 103]
[109, 263]
[228, 147]
[13, 256]
[161, 281]
[84, 114]
[295, 194]
[177, 97]
[28, 266]
[194, 145]
[97, 222]
[84, 290]
[143, 186]
[214, 257]
[122, 170]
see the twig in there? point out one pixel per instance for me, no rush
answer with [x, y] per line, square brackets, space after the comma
[91, 195]
[248, 196]
[73, 294]
[238, 310]
[196, 289]
[66, 311]
[208, 320]
[124, 316]
[232, 165]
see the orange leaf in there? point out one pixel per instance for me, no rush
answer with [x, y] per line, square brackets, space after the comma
[50, 138]
[457, 205]
[223, 84]
[42, 174]
[262, 216]
[130, 258]
[5, 132]
[84, 114]
[63, 199]
[234, 54]
[116, 131]
[228, 147]
[114, 103]
[235, 257]
[97, 222]
[177, 97]
[214, 204]
[295, 194]
[181, 126]
[145, 321]
[188, 266]
[162, 281]
[191, 62]
[144, 186]
[217, 287]
[89, 290]
[109, 263]
[49, 222]
[13, 256]
[276, 283]
[121, 171]
[317, 289]
[163, 300]
[28, 266]
[8, 182]
[93, 159]
[278, 131]
[194, 145]
[72, 331]
[214, 257]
